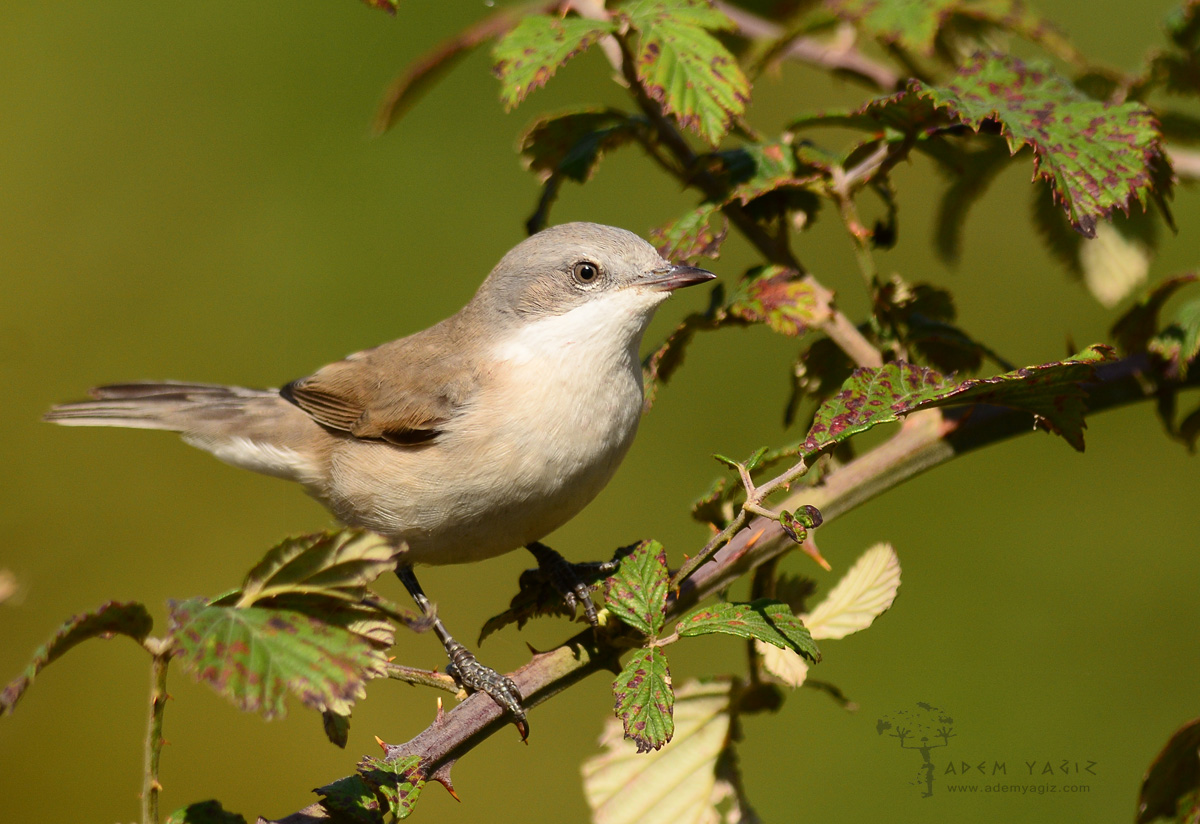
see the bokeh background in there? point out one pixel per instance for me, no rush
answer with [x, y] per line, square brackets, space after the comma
[191, 191]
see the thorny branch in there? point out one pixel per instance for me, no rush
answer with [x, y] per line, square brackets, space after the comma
[926, 439]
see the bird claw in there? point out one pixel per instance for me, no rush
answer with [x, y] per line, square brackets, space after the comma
[476, 677]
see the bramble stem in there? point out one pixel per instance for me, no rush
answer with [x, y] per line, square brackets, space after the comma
[160, 651]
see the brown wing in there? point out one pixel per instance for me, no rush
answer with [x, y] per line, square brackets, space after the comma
[403, 392]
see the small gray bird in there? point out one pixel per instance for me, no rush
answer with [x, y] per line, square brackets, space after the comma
[472, 438]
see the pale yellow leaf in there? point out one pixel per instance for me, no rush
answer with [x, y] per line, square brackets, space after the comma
[674, 785]
[862, 595]
[1114, 263]
[786, 665]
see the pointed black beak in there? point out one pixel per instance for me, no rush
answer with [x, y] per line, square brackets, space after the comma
[675, 277]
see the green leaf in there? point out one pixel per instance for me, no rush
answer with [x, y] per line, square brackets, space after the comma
[536, 48]
[763, 620]
[335, 564]
[113, 618]
[684, 68]
[862, 595]
[1099, 157]
[1138, 325]
[637, 591]
[351, 800]
[204, 812]
[779, 297]
[692, 236]
[1051, 392]
[572, 144]
[569, 147]
[644, 699]
[255, 656]
[915, 25]
[1171, 789]
[1179, 343]
[398, 782]
[912, 24]
[683, 781]
[337, 727]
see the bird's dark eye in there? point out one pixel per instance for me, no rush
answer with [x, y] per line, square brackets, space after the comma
[585, 272]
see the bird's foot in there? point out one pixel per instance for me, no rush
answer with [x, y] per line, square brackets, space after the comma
[572, 581]
[476, 677]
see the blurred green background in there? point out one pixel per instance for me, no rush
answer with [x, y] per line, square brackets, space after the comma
[191, 191]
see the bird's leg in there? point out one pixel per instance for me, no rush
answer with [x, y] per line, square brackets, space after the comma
[571, 580]
[464, 667]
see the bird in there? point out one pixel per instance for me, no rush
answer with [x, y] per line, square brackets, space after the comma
[474, 437]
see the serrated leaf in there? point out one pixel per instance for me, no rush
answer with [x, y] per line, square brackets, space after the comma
[862, 595]
[1098, 156]
[763, 620]
[637, 592]
[684, 68]
[1170, 789]
[779, 297]
[678, 784]
[536, 48]
[351, 800]
[398, 782]
[1050, 391]
[692, 236]
[113, 618]
[643, 699]
[1134, 329]
[204, 812]
[255, 657]
[335, 564]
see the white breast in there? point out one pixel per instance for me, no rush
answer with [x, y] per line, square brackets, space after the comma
[544, 435]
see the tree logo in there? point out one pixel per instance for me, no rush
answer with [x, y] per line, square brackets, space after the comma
[924, 729]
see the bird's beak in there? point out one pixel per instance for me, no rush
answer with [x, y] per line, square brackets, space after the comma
[676, 276]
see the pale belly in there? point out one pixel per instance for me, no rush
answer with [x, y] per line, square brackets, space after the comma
[494, 482]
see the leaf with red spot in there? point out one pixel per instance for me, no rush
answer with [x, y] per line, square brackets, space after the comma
[351, 800]
[398, 782]
[1097, 156]
[763, 620]
[537, 47]
[686, 69]
[780, 298]
[637, 592]
[692, 236]
[113, 618]
[870, 397]
[255, 656]
[644, 699]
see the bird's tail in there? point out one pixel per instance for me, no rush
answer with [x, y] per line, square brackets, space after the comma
[176, 407]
